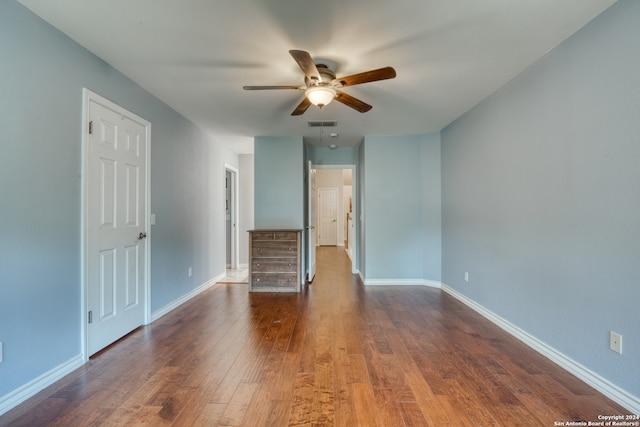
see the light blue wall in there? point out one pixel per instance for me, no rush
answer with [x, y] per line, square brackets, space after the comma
[402, 207]
[42, 74]
[279, 182]
[431, 199]
[541, 203]
[337, 156]
[187, 196]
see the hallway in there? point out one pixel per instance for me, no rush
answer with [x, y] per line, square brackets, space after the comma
[335, 354]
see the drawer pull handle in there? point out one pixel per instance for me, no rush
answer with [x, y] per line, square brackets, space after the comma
[290, 264]
[290, 249]
[258, 265]
[257, 280]
[259, 249]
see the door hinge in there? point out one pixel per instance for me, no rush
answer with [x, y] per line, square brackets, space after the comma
[90, 127]
[90, 316]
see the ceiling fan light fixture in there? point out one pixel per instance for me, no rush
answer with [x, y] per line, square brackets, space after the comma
[320, 95]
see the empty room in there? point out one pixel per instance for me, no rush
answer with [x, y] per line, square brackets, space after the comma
[354, 213]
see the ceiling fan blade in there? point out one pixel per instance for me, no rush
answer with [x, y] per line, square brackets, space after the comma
[366, 77]
[352, 102]
[269, 87]
[306, 63]
[300, 109]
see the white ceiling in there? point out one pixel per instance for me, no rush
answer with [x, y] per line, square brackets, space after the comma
[196, 55]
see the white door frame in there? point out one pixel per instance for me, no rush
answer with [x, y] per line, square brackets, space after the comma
[311, 221]
[356, 224]
[235, 250]
[87, 97]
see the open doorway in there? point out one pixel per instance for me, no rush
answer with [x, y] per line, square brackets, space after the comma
[334, 196]
[231, 216]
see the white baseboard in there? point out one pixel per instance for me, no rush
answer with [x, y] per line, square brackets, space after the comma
[615, 393]
[186, 297]
[401, 282]
[33, 387]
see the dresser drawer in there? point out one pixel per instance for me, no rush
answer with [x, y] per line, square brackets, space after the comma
[262, 235]
[274, 249]
[287, 265]
[286, 235]
[276, 280]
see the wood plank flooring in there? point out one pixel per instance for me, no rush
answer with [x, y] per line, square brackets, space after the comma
[336, 354]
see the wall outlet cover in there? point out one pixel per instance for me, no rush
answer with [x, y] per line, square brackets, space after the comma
[615, 342]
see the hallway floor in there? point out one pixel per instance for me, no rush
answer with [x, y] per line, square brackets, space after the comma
[240, 275]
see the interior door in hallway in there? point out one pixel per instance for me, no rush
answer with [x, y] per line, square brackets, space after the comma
[116, 223]
[227, 216]
[231, 215]
[328, 216]
[311, 221]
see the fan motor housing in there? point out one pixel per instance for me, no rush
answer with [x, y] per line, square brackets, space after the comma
[326, 76]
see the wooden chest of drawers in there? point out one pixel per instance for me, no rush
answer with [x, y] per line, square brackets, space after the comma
[274, 260]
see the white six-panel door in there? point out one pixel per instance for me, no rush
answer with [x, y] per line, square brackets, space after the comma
[328, 216]
[116, 225]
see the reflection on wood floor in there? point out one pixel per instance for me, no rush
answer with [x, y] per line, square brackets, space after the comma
[335, 354]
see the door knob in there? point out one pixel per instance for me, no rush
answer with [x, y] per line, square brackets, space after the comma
[142, 235]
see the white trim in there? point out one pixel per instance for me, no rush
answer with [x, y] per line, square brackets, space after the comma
[432, 284]
[235, 240]
[615, 393]
[186, 297]
[19, 395]
[346, 251]
[401, 282]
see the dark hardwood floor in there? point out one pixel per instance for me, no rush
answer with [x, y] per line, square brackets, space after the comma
[336, 354]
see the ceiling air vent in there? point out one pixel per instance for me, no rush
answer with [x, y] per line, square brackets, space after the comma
[325, 123]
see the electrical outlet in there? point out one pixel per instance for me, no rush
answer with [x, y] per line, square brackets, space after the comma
[190, 271]
[615, 342]
[466, 276]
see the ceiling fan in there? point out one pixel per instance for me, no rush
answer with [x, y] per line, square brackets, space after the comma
[321, 85]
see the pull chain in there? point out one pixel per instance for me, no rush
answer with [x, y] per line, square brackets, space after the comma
[321, 124]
